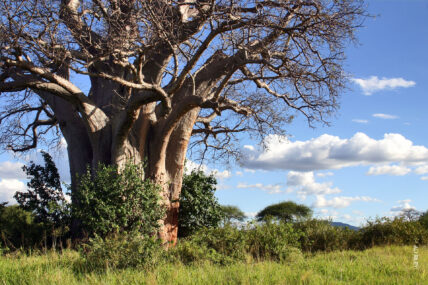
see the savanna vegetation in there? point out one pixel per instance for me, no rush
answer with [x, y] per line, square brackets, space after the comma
[120, 243]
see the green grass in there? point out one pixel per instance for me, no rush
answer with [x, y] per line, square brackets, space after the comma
[380, 265]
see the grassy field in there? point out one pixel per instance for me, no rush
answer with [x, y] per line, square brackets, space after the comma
[381, 265]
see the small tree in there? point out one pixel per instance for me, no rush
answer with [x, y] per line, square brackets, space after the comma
[410, 214]
[198, 206]
[231, 213]
[44, 196]
[111, 202]
[285, 211]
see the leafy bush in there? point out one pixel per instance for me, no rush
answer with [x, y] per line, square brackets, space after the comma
[320, 235]
[119, 251]
[229, 244]
[18, 228]
[398, 231]
[423, 219]
[199, 207]
[272, 241]
[109, 202]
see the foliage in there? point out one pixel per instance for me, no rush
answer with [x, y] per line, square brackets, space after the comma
[44, 196]
[199, 207]
[19, 229]
[423, 219]
[272, 241]
[320, 235]
[231, 213]
[386, 231]
[111, 202]
[285, 211]
[122, 251]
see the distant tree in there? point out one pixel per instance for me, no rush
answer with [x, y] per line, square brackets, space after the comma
[199, 207]
[285, 211]
[232, 213]
[44, 196]
[410, 214]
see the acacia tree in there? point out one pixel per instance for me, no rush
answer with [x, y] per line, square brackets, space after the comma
[160, 71]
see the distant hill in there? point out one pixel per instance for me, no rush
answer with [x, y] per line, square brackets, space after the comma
[343, 225]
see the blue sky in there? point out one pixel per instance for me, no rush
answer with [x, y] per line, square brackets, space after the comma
[372, 160]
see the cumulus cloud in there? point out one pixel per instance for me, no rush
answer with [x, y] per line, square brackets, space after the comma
[396, 170]
[385, 116]
[423, 169]
[191, 166]
[402, 206]
[304, 184]
[374, 84]
[8, 187]
[269, 188]
[11, 170]
[340, 202]
[332, 152]
[424, 178]
[360, 121]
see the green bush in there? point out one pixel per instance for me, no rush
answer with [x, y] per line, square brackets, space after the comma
[109, 202]
[272, 241]
[217, 245]
[397, 231]
[18, 229]
[118, 251]
[320, 235]
[199, 207]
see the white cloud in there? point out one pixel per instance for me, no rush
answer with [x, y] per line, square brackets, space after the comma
[11, 170]
[221, 174]
[396, 170]
[340, 202]
[360, 121]
[304, 184]
[191, 166]
[385, 116]
[270, 188]
[8, 187]
[324, 174]
[239, 173]
[402, 206]
[249, 170]
[373, 84]
[424, 178]
[422, 169]
[332, 152]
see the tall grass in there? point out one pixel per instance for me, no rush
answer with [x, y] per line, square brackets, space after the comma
[379, 265]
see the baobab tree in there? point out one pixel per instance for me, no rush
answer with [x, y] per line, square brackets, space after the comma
[161, 71]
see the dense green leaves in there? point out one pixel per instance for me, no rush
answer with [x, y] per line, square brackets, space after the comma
[285, 211]
[199, 207]
[111, 202]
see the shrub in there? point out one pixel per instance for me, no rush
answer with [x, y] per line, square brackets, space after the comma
[18, 228]
[199, 207]
[320, 235]
[217, 245]
[387, 231]
[109, 202]
[272, 241]
[118, 251]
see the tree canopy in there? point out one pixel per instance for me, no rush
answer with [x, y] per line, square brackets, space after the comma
[231, 213]
[285, 211]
